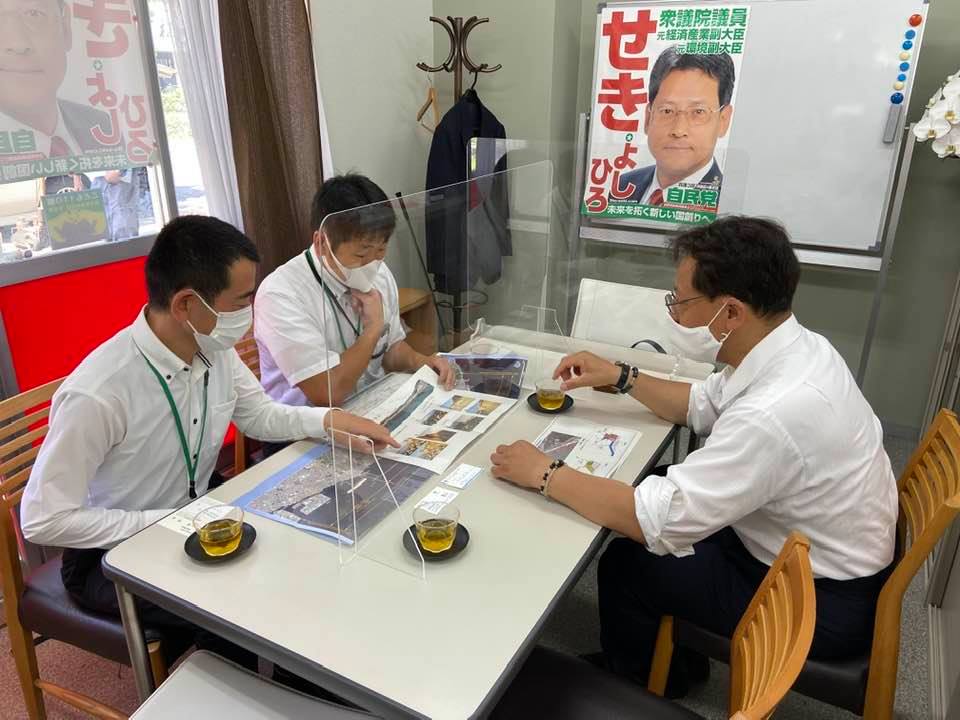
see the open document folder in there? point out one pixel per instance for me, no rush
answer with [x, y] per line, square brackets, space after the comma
[433, 425]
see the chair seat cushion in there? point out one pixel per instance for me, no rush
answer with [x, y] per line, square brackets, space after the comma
[842, 683]
[557, 686]
[47, 608]
[207, 682]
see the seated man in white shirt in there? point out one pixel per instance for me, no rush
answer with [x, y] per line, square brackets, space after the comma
[791, 444]
[136, 430]
[328, 321]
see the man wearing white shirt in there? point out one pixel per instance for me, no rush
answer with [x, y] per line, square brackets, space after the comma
[689, 110]
[328, 321]
[136, 430]
[791, 444]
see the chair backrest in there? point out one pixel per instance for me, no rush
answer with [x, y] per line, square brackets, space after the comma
[23, 425]
[249, 353]
[929, 491]
[772, 639]
[619, 314]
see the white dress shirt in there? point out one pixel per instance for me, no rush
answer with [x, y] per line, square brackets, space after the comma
[301, 334]
[694, 178]
[793, 445]
[112, 462]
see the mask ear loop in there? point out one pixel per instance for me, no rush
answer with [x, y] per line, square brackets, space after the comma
[727, 334]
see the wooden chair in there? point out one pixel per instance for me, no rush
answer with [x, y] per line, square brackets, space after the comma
[248, 352]
[929, 491]
[40, 603]
[770, 645]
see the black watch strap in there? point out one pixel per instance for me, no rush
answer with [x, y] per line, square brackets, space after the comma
[624, 374]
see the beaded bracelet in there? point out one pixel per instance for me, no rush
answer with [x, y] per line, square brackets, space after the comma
[548, 476]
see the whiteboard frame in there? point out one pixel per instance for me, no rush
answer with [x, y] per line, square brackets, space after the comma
[620, 231]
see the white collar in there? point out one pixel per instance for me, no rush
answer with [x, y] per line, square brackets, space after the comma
[759, 356]
[163, 358]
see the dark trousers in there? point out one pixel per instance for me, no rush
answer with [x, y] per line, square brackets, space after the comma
[711, 589]
[83, 577]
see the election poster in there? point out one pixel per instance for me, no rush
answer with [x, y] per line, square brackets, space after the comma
[74, 218]
[664, 98]
[73, 89]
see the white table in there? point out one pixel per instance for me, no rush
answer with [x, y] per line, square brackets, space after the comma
[398, 645]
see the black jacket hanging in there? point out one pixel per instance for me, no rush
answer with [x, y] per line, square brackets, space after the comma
[466, 226]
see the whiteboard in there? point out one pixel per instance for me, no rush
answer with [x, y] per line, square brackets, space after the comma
[806, 143]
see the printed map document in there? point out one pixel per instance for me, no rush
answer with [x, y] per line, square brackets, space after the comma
[588, 447]
[434, 425]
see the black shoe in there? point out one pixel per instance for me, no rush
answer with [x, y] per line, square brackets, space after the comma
[698, 666]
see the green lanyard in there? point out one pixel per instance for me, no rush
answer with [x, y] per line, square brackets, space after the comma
[191, 466]
[356, 328]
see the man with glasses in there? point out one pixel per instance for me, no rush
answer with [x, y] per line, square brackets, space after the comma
[328, 321]
[791, 444]
[689, 110]
[35, 37]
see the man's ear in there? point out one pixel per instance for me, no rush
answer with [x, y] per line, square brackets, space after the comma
[647, 112]
[735, 314]
[180, 304]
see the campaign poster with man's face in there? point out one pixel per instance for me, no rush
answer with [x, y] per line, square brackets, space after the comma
[664, 101]
[73, 91]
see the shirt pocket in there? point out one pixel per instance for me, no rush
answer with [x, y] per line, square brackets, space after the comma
[220, 416]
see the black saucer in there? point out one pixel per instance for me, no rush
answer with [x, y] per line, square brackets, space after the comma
[195, 550]
[535, 406]
[411, 542]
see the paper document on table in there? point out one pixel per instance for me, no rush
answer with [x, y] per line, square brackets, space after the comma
[462, 476]
[437, 499]
[304, 494]
[182, 520]
[589, 447]
[433, 425]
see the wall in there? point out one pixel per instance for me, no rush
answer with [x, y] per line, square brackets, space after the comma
[546, 49]
[365, 54]
[837, 302]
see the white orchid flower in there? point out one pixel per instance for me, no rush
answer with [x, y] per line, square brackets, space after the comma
[934, 123]
[952, 87]
[949, 144]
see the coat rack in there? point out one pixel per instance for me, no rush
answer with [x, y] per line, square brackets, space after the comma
[458, 59]
[458, 30]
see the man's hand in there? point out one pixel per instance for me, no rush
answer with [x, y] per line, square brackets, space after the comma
[443, 368]
[520, 463]
[338, 422]
[370, 307]
[584, 369]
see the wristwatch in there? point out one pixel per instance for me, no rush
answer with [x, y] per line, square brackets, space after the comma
[628, 375]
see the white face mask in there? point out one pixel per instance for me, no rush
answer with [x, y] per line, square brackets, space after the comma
[230, 328]
[361, 278]
[696, 343]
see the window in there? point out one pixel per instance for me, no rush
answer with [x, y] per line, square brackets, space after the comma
[81, 207]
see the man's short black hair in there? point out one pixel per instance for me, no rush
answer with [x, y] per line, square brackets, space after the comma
[748, 258]
[194, 251]
[718, 66]
[371, 217]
